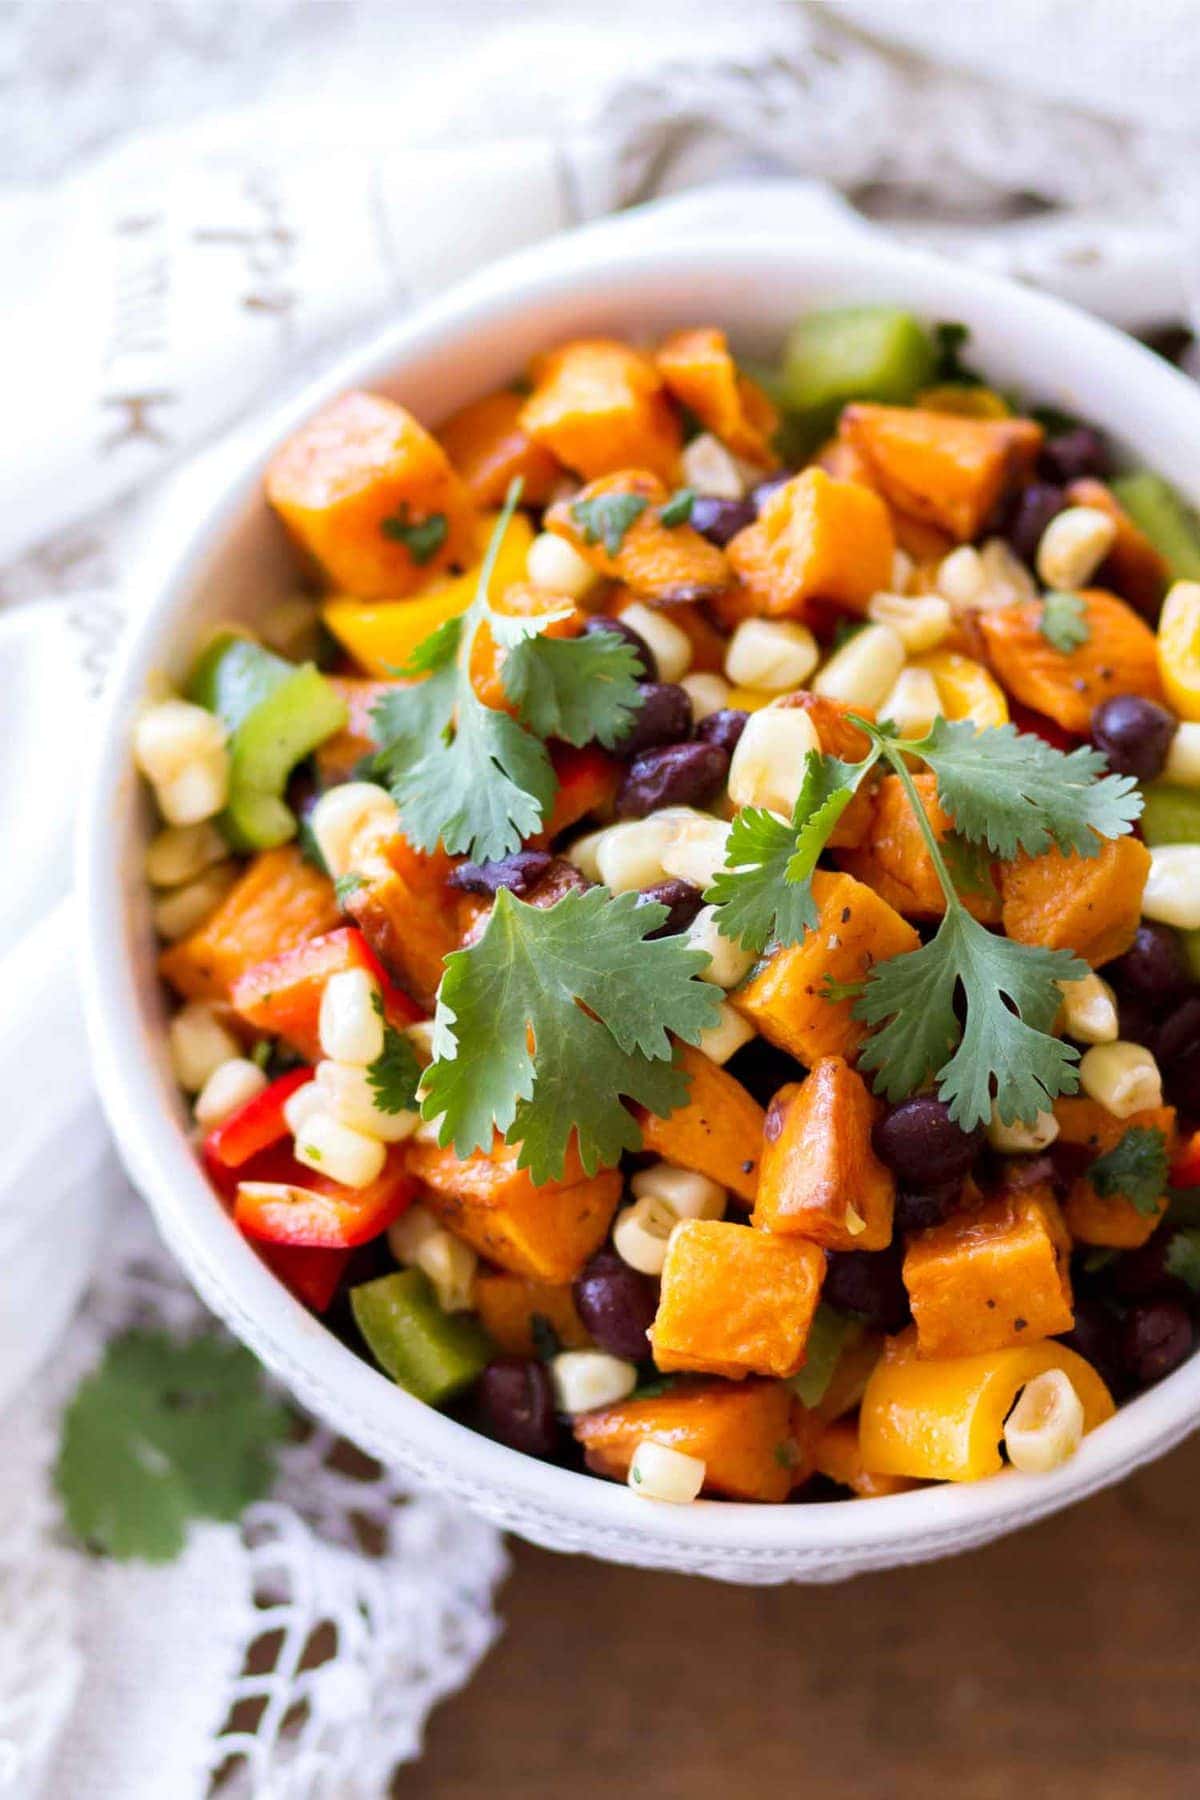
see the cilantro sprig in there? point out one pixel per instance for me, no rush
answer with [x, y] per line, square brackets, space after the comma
[422, 538]
[471, 776]
[971, 1009]
[1136, 1168]
[395, 1074]
[162, 1433]
[1064, 621]
[552, 1017]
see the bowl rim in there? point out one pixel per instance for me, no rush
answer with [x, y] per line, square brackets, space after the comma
[202, 503]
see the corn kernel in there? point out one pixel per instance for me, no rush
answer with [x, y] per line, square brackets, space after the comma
[768, 764]
[1122, 1077]
[300, 1106]
[181, 852]
[1183, 758]
[345, 812]
[333, 1149]
[586, 1379]
[630, 855]
[1172, 892]
[707, 693]
[660, 1472]
[865, 669]
[922, 621]
[722, 1040]
[773, 655]
[417, 1241]
[406, 1234]
[198, 792]
[696, 850]
[670, 647]
[170, 736]
[640, 1234]
[688, 1195]
[231, 1086]
[960, 576]
[1089, 1010]
[198, 1043]
[554, 564]
[346, 1092]
[349, 1023]
[903, 569]
[1073, 546]
[913, 703]
[708, 467]
[1045, 1427]
[183, 910]
[729, 963]
[1006, 579]
[1019, 1138]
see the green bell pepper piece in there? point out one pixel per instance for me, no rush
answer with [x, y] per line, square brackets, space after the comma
[853, 353]
[277, 713]
[1171, 526]
[1171, 815]
[429, 1353]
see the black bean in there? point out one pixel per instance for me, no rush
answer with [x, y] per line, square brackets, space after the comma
[1134, 734]
[1177, 1049]
[1158, 1335]
[1029, 516]
[720, 520]
[617, 1305]
[1142, 1274]
[763, 1069]
[920, 1144]
[760, 494]
[1070, 455]
[671, 775]
[518, 873]
[724, 728]
[917, 1209]
[1138, 1022]
[663, 717]
[682, 901]
[1096, 1336]
[516, 1401]
[635, 640]
[1153, 969]
[869, 1282]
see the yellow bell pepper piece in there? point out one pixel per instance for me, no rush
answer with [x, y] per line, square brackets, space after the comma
[381, 635]
[743, 699]
[964, 687]
[1179, 648]
[942, 1420]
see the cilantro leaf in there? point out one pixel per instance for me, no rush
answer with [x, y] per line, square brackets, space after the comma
[764, 892]
[480, 792]
[345, 885]
[970, 866]
[422, 538]
[395, 1074]
[678, 509]
[1183, 1257]
[546, 1342]
[162, 1433]
[1013, 791]
[606, 518]
[831, 1332]
[950, 339]
[1008, 990]
[576, 689]
[1064, 621]
[1135, 1168]
[553, 1015]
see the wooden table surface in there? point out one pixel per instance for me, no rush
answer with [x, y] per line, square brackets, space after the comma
[1061, 1662]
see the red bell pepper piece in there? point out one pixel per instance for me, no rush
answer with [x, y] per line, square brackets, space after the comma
[282, 996]
[314, 1276]
[256, 1125]
[1185, 1170]
[297, 1206]
[1026, 719]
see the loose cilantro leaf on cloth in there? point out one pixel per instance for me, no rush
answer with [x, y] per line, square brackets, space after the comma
[422, 538]
[395, 1074]
[764, 892]
[607, 517]
[576, 689]
[831, 1332]
[1064, 621]
[1135, 1168]
[467, 775]
[678, 509]
[554, 1015]
[1013, 791]
[163, 1433]
[1183, 1257]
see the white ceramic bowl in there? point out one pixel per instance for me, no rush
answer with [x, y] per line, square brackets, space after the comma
[215, 552]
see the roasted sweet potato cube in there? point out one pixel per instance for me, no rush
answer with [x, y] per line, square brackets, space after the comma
[717, 1131]
[352, 483]
[1120, 656]
[508, 1306]
[784, 997]
[741, 1434]
[1111, 1220]
[941, 468]
[405, 911]
[837, 1454]
[545, 1232]
[1091, 905]
[598, 406]
[820, 1177]
[521, 601]
[894, 859]
[698, 369]
[278, 902]
[1133, 568]
[992, 1277]
[487, 446]
[735, 1301]
[658, 562]
[815, 539]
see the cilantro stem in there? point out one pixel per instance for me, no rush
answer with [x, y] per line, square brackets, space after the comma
[894, 754]
[482, 602]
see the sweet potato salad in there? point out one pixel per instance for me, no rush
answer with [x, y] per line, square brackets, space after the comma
[684, 932]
